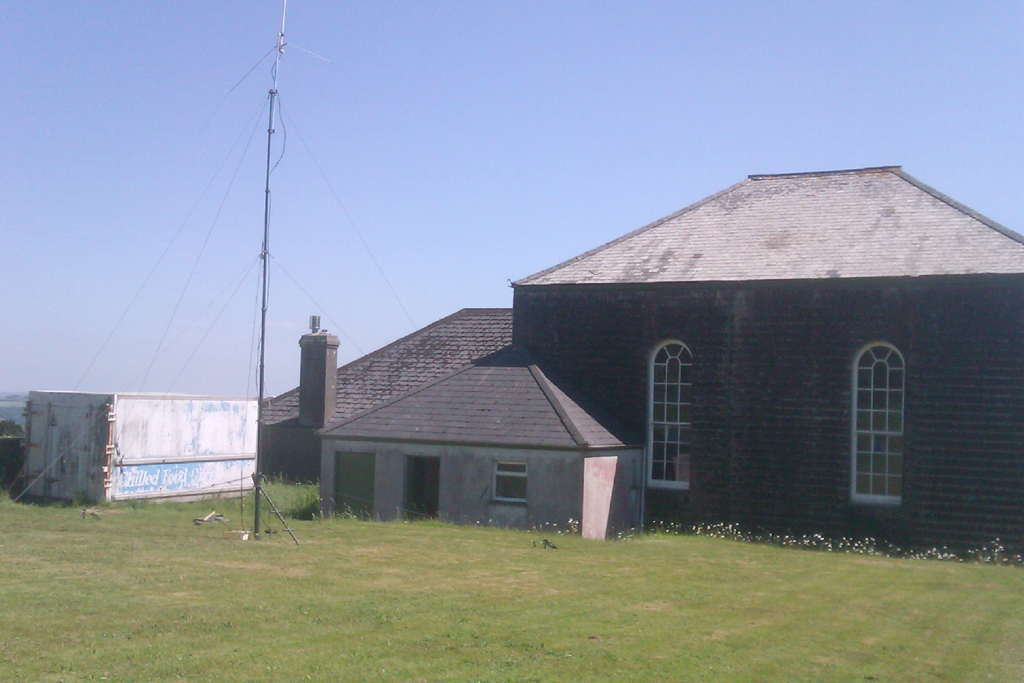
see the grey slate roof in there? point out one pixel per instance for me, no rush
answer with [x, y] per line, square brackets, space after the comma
[424, 355]
[504, 399]
[876, 222]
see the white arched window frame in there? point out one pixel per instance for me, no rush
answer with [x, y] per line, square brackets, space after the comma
[876, 443]
[669, 410]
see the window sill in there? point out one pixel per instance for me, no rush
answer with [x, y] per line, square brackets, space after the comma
[885, 501]
[668, 485]
[512, 502]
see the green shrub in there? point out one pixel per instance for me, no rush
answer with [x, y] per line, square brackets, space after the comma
[298, 501]
[12, 459]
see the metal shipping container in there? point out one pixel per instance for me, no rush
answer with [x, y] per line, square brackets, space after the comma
[132, 446]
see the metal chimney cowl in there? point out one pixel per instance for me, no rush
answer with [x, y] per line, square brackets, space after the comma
[318, 378]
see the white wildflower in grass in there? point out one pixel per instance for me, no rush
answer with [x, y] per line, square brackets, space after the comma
[994, 552]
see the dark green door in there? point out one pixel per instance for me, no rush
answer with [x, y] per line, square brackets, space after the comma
[353, 483]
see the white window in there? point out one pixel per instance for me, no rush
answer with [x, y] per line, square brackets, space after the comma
[877, 442]
[510, 482]
[670, 426]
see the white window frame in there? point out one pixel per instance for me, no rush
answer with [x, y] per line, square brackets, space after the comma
[688, 426]
[871, 433]
[524, 475]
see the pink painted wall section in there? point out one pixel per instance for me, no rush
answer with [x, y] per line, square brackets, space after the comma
[598, 493]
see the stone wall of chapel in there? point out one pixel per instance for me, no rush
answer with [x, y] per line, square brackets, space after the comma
[772, 412]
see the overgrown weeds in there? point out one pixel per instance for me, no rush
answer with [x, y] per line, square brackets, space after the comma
[298, 501]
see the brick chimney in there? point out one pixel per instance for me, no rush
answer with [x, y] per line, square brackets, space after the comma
[318, 375]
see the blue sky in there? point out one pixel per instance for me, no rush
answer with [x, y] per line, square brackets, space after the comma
[468, 143]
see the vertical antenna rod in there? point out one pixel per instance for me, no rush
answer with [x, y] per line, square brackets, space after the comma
[257, 476]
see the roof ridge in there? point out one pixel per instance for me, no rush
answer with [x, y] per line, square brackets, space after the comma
[962, 208]
[457, 314]
[559, 384]
[411, 392]
[381, 350]
[634, 233]
[270, 399]
[546, 388]
[810, 174]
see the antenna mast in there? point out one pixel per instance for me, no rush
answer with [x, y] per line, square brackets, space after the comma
[258, 474]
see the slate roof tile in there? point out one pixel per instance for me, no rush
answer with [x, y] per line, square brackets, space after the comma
[420, 357]
[877, 222]
[505, 399]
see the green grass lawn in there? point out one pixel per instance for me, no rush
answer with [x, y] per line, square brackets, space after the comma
[144, 595]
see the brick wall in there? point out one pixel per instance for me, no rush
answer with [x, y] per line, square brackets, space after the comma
[773, 395]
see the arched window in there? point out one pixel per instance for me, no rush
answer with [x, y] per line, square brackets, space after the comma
[669, 428]
[877, 448]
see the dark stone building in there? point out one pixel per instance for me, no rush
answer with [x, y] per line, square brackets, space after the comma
[832, 352]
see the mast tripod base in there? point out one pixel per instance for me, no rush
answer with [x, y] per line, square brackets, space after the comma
[260, 491]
